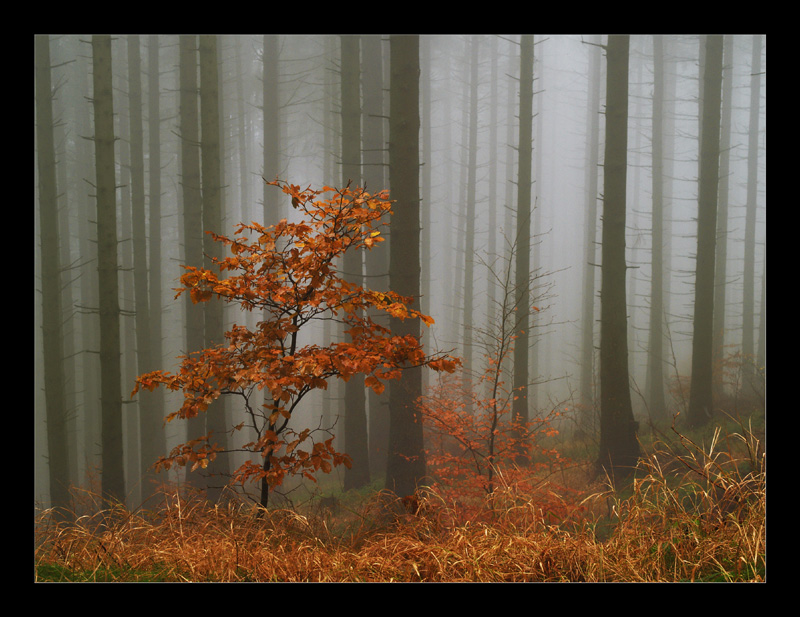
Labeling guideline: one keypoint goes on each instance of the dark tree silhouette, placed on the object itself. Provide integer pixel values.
(619, 448)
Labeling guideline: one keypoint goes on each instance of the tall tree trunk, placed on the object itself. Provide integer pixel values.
(721, 259)
(425, 182)
(140, 271)
(655, 397)
(519, 408)
(52, 336)
(113, 480)
(406, 467)
(211, 170)
(469, 238)
(377, 261)
(619, 448)
(154, 430)
(590, 231)
(748, 292)
(272, 135)
(355, 419)
(192, 207)
(701, 395)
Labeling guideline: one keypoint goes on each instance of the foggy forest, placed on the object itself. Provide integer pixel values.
(577, 239)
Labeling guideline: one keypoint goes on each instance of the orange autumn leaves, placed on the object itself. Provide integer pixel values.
(287, 273)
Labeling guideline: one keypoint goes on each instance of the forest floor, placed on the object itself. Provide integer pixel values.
(690, 513)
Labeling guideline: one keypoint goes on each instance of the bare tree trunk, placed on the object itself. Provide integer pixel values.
(355, 419)
(469, 237)
(655, 359)
(619, 448)
(155, 430)
(192, 207)
(748, 292)
(377, 261)
(52, 336)
(406, 467)
(272, 134)
(211, 170)
(519, 410)
(701, 395)
(590, 234)
(113, 481)
(721, 258)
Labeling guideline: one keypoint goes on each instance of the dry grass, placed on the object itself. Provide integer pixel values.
(690, 514)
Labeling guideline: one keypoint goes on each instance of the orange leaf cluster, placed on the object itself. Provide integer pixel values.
(288, 274)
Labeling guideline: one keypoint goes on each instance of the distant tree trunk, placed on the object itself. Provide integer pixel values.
(406, 467)
(355, 419)
(243, 135)
(619, 448)
(272, 134)
(655, 397)
(377, 261)
(113, 480)
(748, 291)
(469, 237)
(425, 182)
(211, 170)
(721, 259)
(154, 430)
(491, 244)
(147, 423)
(192, 207)
(590, 233)
(52, 335)
(701, 395)
(519, 407)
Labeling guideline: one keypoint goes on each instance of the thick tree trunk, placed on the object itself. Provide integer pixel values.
(52, 336)
(406, 467)
(113, 480)
(701, 395)
(619, 448)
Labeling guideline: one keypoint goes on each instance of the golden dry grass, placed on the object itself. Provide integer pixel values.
(689, 515)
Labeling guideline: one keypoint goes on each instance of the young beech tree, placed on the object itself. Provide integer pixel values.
(287, 273)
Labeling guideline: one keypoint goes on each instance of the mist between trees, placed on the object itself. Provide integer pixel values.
(612, 188)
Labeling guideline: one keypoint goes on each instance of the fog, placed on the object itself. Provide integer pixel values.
(309, 155)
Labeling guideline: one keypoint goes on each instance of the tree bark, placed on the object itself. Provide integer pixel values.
(113, 479)
(211, 170)
(655, 397)
(272, 134)
(619, 448)
(519, 410)
(355, 418)
(748, 292)
(469, 237)
(406, 466)
(52, 335)
(377, 261)
(155, 430)
(192, 199)
(590, 232)
(701, 395)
